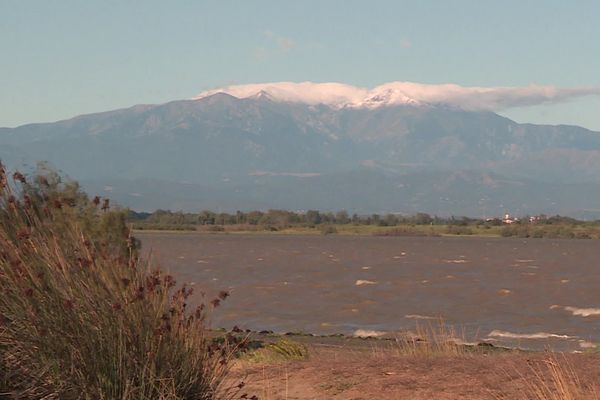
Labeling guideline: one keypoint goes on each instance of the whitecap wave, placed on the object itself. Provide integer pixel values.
(579, 312)
(587, 345)
(417, 316)
(367, 333)
(583, 312)
(361, 282)
(536, 335)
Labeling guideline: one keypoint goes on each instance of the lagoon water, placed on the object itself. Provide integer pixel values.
(530, 293)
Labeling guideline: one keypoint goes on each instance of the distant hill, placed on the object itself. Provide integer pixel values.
(224, 152)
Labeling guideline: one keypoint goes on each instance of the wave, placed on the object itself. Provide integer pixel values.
(361, 282)
(536, 335)
(580, 312)
(368, 333)
(417, 316)
(587, 345)
(583, 312)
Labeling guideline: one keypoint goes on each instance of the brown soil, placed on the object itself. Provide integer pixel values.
(369, 372)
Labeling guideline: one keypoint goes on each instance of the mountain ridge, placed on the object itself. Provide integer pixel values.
(230, 146)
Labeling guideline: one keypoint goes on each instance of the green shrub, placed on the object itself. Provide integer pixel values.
(521, 231)
(405, 231)
(289, 350)
(216, 228)
(537, 233)
(280, 351)
(145, 226)
(458, 230)
(329, 230)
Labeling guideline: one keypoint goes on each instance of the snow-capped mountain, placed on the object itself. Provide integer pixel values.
(338, 95)
(398, 147)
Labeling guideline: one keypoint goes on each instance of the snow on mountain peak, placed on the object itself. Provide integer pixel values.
(339, 95)
(331, 94)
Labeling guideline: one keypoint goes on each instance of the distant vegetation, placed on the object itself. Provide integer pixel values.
(282, 219)
(556, 227)
(82, 316)
(313, 221)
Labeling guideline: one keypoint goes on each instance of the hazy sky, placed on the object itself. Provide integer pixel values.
(64, 58)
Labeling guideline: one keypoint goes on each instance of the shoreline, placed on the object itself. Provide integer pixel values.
(296, 232)
(439, 334)
(303, 232)
(506, 231)
(340, 340)
(304, 367)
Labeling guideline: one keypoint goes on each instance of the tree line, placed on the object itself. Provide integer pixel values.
(315, 217)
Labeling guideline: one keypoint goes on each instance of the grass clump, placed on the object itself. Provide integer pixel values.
(553, 378)
(558, 382)
(82, 316)
(280, 351)
(433, 340)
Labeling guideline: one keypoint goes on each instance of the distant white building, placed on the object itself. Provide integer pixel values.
(508, 219)
(537, 218)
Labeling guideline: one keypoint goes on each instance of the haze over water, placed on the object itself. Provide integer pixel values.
(532, 293)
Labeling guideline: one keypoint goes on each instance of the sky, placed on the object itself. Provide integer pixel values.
(63, 58)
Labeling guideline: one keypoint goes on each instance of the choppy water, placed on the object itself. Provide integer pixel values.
(531, 293)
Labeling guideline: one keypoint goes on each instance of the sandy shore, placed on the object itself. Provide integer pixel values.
(343, 368)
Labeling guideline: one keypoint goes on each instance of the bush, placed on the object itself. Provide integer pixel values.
(280, 351)
(409, 231)
(328, 230)
(458, 230)
(583, 235)
(545, 231)
(82, 317)
(521, 231)
(145, 226)
(538, 233)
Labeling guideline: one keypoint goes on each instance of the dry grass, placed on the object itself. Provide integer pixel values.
(81, 317)
(433, 339)
(555, 379)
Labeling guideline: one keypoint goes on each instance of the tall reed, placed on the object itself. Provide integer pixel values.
(83, 317)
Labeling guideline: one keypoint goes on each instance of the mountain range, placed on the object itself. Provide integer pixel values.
(259, 147)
